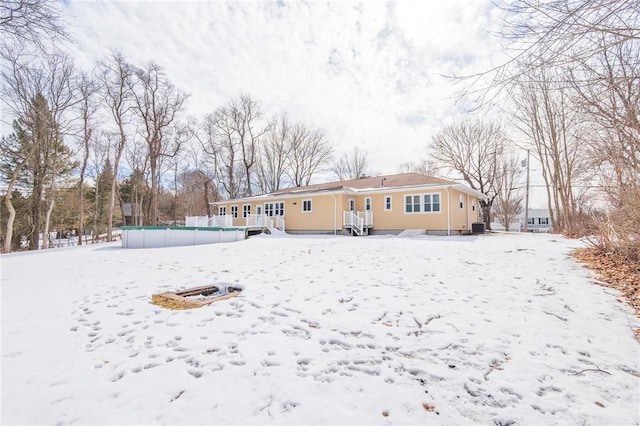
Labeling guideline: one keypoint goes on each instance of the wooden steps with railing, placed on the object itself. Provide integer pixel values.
(358, 223)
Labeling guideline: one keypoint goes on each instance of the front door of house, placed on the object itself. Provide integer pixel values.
(259, 220)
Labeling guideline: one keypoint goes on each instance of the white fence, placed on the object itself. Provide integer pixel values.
(253, 220)
(224, 221)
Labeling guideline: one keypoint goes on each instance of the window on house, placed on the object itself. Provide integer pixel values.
(279, 208)
(234, 211)
(274, 209)
(531, 221)
(435, 201)
(412, 204)
(543, 221)
(432, 202)
(367, 204)
(426, 203)
(246, 210)
(461, 201)
(473, 206)
(222, 210)
(306, 205)
(387, 203)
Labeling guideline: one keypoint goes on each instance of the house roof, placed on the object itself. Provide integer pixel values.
(377, 183)
(388, 181)
(535, 213)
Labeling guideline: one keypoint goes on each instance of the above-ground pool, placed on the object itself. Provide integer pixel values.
(172, 236)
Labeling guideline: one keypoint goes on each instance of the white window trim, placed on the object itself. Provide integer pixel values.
(222, 210)
(244, 210)
(404, 207)
(439, 202)
(390, 199)
(370, 204)
(275, 208)
(439, 194)
(310, 200)
(234, 214)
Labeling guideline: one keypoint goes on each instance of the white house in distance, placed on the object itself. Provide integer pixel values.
(538, 219)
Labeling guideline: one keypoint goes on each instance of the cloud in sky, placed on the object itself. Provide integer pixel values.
(368, 73)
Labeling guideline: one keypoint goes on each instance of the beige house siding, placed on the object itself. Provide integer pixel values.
(328, 205)
(325, 214)
(321, 217)
(459, 215)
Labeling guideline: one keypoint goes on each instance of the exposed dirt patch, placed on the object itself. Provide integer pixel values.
(615, 272)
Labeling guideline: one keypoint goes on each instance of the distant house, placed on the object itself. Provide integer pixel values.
(370, 205)
(538, 220)
(128, 213)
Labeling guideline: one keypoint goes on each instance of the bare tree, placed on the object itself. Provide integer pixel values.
(611, 104)
(39, 93)
(199, 181)
(473, 150)
(309, 152)
(136, 185)
(548, 120)
(508, 203)
(246, 116)
(87, 107)
(553, 34)
(30, 22)
(157, 102)
(17, 151)
(275, 147)
(115, 75)
(232, 137)
(425, 167)
(351, 165)
(222, 151)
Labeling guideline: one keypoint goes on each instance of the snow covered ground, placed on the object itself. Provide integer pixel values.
(492, 329)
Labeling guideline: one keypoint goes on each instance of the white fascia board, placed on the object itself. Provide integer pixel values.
(276, 197)
(431, 187)
(463, 188)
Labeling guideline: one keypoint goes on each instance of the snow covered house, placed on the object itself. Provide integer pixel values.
(369, 205)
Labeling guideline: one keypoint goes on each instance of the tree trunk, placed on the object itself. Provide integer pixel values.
(486, 215)
(112, 203)
(7, 202)
(47, 220)
(12, 215)
(34, 239)
(114, 182)
(153, 201)
(206, 196)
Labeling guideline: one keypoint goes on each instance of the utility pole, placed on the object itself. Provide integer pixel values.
(526, 200)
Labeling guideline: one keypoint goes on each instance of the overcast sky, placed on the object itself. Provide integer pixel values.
(368, 73)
